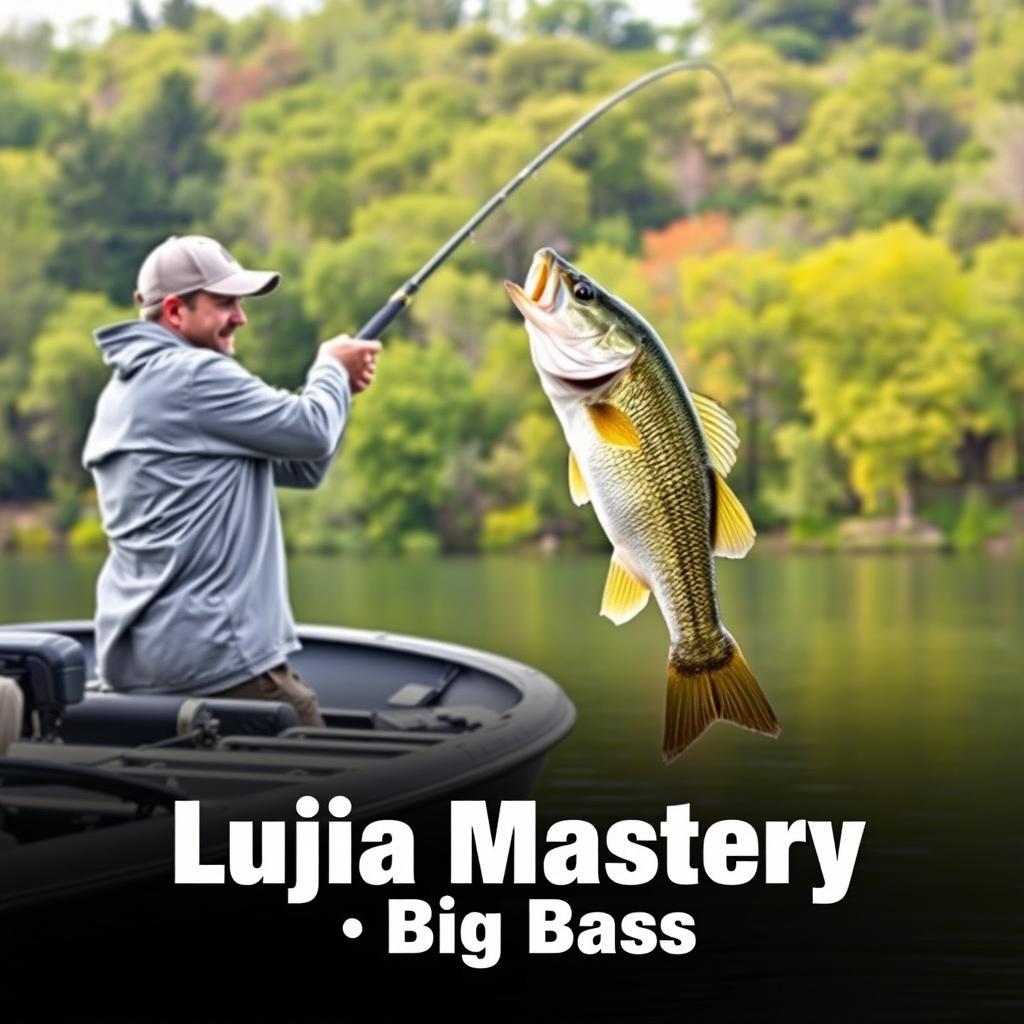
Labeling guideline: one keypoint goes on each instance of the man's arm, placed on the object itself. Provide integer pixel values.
(360, 361)
(238, 414)
(302, 473)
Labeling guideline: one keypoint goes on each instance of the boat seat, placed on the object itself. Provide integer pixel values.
(128, 719)
(49, 669)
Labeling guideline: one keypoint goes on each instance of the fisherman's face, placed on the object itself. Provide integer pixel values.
(211, 324)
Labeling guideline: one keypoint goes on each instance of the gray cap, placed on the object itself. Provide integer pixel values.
(193, 262)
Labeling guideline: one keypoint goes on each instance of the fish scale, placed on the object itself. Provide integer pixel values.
(653, 502)
(652, 460)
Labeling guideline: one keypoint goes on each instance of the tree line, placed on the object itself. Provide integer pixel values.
(840, 262)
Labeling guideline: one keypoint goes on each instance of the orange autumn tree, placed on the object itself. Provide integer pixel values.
(664, 249)
(688, 236)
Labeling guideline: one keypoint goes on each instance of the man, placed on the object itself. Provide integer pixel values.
(186, 448)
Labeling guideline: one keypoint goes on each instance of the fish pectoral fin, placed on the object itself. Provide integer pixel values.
(719, 431)
(577, 485)
(613, 426)
(732, 532)
(625, 594)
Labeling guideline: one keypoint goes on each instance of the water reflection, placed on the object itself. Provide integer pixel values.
(900, 670)
(896, 680)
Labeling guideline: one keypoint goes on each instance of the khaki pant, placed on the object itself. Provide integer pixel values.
(283, 684)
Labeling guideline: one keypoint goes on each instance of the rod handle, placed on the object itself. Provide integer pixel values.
(375, 326)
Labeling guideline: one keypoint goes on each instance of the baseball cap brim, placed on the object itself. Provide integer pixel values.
(245, 282)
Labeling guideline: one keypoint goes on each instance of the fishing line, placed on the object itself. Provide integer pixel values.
(403, 297)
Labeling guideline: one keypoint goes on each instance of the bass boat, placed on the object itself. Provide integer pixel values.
(89, 778)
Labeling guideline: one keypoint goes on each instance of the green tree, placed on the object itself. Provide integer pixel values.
(29, 293)
(542, 66)
(402, 444)
(309, 181)
(425, 14)
(738, 337)
(827, 18)
(614, 154)
(348, 43)
(504, 384)
(391, 238)
(395, 147)
(290, 170)
(971, 216)
(889, 91)
(173, 137)
(997, 319)
(279, 342)
(551, 210)
(529, 467)
(539, 438)
(998, 61)
(29, 236)
(119, 81)
(461, 307)
(605, 22)
(338, 294)
(901, 24)
(797, 31)
(901, 184)
(178, 14)
(887, 369)
(120, 191)
(811, 487)
(138, 19)
(108, 212)
(773, 100)
(21, 120)
(66, 376)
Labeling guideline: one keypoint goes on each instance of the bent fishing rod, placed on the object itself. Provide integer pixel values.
(401, 298)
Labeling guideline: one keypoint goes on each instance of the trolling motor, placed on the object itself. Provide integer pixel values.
(49, 669)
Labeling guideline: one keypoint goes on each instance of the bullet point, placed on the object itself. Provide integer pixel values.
(352, 928)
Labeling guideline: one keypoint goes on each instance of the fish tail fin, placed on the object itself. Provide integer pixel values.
(697, 697)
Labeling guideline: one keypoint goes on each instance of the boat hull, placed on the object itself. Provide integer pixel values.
(412, 724)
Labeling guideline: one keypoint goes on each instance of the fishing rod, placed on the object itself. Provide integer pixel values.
(401, 299)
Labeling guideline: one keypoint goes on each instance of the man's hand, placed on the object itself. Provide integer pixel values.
(358, 356)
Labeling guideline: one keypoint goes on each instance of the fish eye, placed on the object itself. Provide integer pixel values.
(582, 291)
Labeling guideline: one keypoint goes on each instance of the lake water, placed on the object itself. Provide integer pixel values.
(897, 681)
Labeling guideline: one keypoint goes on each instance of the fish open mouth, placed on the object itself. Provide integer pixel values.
(543, 282)
(540, 291)
(537, 279)
(537, 301)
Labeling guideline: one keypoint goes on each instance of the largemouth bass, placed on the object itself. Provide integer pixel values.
(652, 458)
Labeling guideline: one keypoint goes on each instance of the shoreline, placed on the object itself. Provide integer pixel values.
(28, 528)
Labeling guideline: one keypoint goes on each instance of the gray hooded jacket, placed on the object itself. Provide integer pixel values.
(186, 448)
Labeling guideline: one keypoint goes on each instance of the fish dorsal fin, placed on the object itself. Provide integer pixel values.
(719, 430)
(732, 532)
(625, 595)
(613, 425)
(577, 485)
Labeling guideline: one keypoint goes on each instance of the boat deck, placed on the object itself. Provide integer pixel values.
(409, 723)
